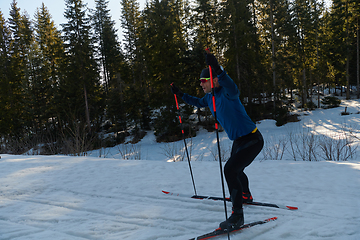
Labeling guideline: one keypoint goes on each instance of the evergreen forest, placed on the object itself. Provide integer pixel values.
(87, 85)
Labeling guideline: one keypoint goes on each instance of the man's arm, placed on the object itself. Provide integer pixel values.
(230, 88)
(198, 102)
(195, 101)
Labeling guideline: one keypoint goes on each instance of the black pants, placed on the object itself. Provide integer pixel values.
(243, 152)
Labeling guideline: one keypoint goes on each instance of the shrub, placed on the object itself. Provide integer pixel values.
(331, 102)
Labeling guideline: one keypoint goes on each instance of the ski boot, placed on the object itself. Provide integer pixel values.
(247, 198)
(235, 220)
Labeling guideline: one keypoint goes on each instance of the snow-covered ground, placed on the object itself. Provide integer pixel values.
(102, 196)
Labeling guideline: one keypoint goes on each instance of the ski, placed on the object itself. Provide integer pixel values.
(262, 204)
(219, 231)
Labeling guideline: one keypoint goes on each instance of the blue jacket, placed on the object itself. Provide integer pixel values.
(230, 112)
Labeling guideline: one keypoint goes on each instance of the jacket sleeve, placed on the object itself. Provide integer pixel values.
(231, 91)
(198, 102)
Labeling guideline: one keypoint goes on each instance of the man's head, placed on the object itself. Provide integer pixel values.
(205, 82)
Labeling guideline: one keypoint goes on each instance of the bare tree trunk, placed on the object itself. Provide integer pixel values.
(237, 58)
(304, 97)
(357, 59)
(87, 112)
(317, 58)
(347, 55)
(273, 51)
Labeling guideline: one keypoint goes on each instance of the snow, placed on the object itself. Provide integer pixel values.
(102, 196)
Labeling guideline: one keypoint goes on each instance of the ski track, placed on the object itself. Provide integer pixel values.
(118, 217)
(135, 221)
(24, 231)
(204, 212)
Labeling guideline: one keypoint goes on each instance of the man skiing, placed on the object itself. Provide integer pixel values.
(247, 140)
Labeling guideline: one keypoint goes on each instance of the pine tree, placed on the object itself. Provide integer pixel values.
(357, 16)
(318, 59)
(166, 45)
(137, 91)
(106, 39)
(130, 22)
(338, 44)
(112, 64)
(80, 90)
(205, 15)
(279, 40)
(352, 52)
(240, 42)
(18, 74)
(5, 117)
(48, 55)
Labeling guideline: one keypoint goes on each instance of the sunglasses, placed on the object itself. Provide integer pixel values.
(204, 80)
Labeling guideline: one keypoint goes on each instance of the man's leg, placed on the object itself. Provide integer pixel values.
(243, 153)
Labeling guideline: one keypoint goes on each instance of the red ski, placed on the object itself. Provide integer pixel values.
(219, 231)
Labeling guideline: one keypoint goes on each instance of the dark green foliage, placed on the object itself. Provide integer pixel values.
(109, 52)
(331, 102)
(310, 105)
(47, 60)
(80, 90)
(66, 88)
(167, 127)
(16, 118)
(5, 119)
(281, 114)
(111, 61)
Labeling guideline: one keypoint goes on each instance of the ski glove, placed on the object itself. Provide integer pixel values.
(211, 60)
(176, 90)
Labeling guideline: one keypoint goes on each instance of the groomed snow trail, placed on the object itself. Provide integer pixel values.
(62, 198)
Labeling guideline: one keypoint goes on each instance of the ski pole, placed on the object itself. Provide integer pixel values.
(218, 141)
(183, 134)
